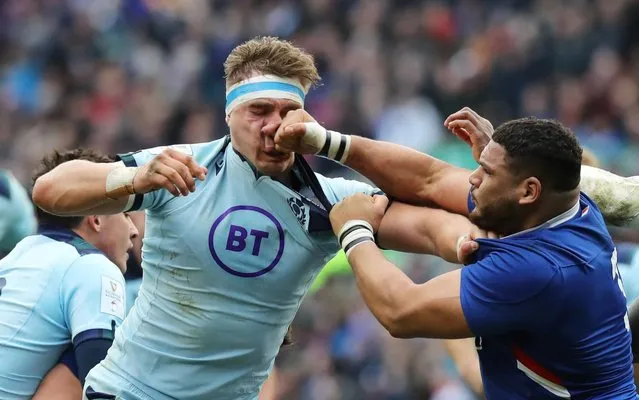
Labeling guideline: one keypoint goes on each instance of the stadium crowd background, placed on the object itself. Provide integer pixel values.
(130, 74)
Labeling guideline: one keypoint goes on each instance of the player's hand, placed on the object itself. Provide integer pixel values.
(472, 128)
(467, 245)
(359, 206)
(290, 135)
(171, 170)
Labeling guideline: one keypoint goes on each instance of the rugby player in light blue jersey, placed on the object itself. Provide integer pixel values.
(17, 217)
(235, 234)
(545, 301)
(61, 289)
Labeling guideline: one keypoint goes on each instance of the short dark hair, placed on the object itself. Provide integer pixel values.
(542, 148)
(51, 161)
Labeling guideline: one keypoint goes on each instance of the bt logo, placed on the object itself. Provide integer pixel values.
(248, 246)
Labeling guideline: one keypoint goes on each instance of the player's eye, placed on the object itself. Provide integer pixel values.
(259, 111)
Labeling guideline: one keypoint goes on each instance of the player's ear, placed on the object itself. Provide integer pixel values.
(530, 190)
(95, 222)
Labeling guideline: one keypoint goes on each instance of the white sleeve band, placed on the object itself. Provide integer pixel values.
(119, 182)
(331, 144)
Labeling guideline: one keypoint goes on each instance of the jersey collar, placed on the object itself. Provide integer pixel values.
(553, 222)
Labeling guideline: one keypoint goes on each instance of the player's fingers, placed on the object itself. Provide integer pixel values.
(161, 181)
(492, 235)
(295, 130)
(478, 234)
(195, 169)
(463, 114)
(465, 126)
(184, 172)
(462, 134)
(173, 176)
(380, 202)
(466, 250)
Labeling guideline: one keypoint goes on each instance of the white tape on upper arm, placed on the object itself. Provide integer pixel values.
(617, 197)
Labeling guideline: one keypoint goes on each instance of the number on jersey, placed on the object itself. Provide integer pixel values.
(617, 276)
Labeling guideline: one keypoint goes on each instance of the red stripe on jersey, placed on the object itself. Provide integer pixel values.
(534, 366)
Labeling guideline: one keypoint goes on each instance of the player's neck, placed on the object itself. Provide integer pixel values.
(553, 206)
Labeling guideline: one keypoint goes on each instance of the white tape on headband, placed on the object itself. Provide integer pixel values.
(264, 86)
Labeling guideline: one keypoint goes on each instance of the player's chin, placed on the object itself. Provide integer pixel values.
(477, 218)
(275, 165)
(122, 262)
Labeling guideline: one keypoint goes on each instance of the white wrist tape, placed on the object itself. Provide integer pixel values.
(327, 143)
(119, 182)
(354, 233)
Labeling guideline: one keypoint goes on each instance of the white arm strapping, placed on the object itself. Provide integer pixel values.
(617, 197)
(119, 183)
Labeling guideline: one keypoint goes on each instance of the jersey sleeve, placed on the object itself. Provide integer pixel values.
(337, 189)
(157, 198)
(203, 153)
(93, 295)
(506, 292)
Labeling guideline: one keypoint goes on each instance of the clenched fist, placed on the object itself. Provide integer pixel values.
(361, 207)
(292, 136)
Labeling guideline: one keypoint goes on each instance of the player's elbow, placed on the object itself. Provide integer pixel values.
(43, 192)
(397, 328)
(46, 195)
(400, 321)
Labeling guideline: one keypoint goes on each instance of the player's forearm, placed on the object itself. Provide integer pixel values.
(405, 309)
(423, 230)
(77, 187)
(382, 285)
(409, 175)
(464, 355)
(59, 384)
(617, 197)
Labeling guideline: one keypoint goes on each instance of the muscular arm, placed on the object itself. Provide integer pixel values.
(464, 355)
(423, 230)
(77, 187)
(405, 309)
(409, 175)
(59, 384)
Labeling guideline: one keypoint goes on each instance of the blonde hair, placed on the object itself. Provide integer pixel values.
(589, 158)
(270, 55)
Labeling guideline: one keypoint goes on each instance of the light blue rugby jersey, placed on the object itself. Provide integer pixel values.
(55, 290)
(629, 269)
(225, 270)
(17, 216)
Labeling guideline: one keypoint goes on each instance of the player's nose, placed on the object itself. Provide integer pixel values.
(133, 230)
(271, 127)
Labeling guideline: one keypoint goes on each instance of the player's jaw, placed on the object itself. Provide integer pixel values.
(498, 214)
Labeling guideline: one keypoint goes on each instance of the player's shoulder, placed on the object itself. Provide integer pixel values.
(203, 152)
(66, 248)
(338, 187)
(520, 255)
(509, 272)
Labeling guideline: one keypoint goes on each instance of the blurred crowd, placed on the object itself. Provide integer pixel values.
(120, 75)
